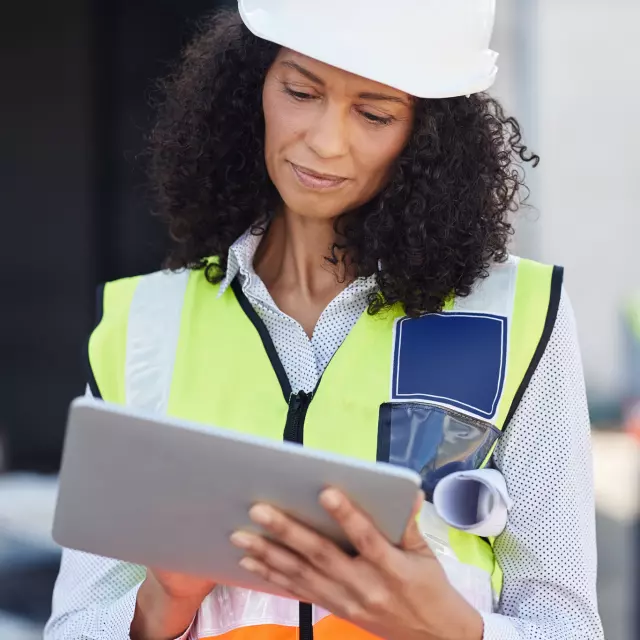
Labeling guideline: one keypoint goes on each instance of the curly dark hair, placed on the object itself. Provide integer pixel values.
(433, 231)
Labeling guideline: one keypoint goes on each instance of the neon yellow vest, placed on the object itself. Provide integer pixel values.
(633, 315)
(170, 343)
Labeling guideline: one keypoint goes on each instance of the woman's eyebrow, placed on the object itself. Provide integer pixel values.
(367, 95)
(305, 72)
(382, 96)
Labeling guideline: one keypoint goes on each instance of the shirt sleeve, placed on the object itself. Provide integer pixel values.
(95, 599)
(548, 549)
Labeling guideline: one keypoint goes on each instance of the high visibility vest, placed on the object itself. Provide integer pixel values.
(168, 343)
(632, 372)
(632, 316)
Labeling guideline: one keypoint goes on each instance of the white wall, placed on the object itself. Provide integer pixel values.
(570, 71)
(514, 39)
(588, 130)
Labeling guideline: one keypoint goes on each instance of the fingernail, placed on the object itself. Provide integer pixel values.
(249, 564)
(261, 515)
(241, 540)
(330, 499)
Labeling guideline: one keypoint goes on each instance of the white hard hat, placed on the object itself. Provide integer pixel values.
(427, 48)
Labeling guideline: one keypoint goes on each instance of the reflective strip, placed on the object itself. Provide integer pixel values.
(529, 315)
(230, 612)
(152, 338)
(494, 295)
(497, 295)
(471, 582)
(108, 342)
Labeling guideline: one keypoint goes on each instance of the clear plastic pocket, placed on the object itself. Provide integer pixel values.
(432, 441)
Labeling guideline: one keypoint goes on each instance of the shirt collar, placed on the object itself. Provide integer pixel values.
(240, 259)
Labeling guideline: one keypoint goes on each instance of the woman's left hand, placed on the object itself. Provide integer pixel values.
(396, 593)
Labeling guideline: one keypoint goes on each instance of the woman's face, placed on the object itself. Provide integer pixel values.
(331, 136)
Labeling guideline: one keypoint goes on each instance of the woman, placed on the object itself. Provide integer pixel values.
(340, 274)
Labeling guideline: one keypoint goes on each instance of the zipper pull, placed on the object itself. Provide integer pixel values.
(299, 400)
(294, 401)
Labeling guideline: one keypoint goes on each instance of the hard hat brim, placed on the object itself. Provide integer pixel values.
(431, 68)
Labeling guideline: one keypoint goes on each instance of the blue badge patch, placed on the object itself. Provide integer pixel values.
(455, 358)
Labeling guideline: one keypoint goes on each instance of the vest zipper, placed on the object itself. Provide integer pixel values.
(294, 432)
(298, 406)
(305, 617)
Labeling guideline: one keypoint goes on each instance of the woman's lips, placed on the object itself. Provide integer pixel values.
(312, 180)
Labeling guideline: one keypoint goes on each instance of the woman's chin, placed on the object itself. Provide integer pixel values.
(314, 206)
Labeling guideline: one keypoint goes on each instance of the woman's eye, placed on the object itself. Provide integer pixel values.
(299, 95)
(372, 117)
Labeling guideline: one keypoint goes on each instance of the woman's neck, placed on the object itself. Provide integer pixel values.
(291, 261)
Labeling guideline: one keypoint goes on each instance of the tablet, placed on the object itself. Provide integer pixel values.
(168, 494)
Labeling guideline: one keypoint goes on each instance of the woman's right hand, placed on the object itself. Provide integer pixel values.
(178, 586)
(167, 604)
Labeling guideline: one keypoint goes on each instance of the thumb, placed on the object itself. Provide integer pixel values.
(413, 540)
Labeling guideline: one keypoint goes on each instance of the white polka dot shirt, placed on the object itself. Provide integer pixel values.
(548, 550)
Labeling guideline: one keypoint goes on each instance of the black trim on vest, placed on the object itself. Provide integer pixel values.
(91, 379)
(552, 314)
(262, 330)
(384, 433)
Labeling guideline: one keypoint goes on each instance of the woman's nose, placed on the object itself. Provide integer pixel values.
(328, 136)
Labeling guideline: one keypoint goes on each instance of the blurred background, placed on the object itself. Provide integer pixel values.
(75, 79)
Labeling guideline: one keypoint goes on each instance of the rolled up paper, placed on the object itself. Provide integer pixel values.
(476, 502)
